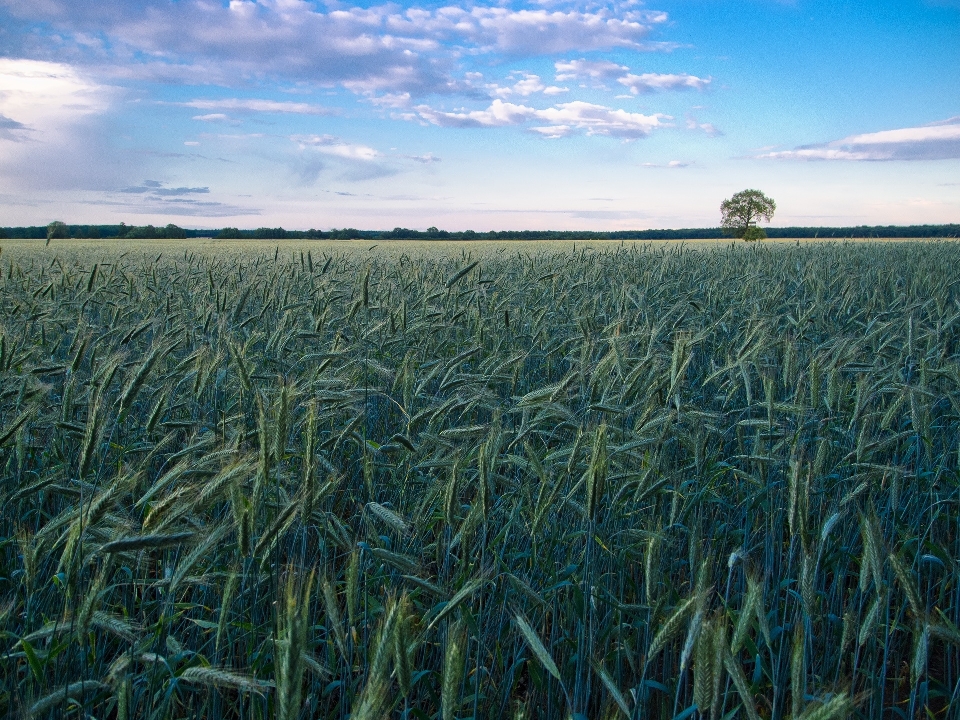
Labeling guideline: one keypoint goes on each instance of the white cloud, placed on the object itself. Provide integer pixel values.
(499, 113)
(600, 120)
(599, 71)
(653, 82)
(709, 128)
(427, 159)
(217, 118)
(524, 84)
(561, 120)
(936, 141)
(534, 32)
(596, 70)
(253, 105)
(392, 100)
(527, 85)
(332, 145)
(51, 134)
(46, 97)
(672, 165)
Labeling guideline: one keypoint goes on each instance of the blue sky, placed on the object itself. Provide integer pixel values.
(540, 114)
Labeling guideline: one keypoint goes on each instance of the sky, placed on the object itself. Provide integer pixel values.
(545, 114)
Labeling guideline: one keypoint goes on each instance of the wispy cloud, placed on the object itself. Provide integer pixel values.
(654, 82)
(155, 187)
(10, 129)
(710, 129)
(215, 118)
(596, 70)
(332, 145)
(427, 159)
(561, 120)
(254, 106)
(184, 207)
(936, 141)
(672, 165)
(153, 197)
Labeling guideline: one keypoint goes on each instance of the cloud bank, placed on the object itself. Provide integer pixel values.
(936, 141)
(378, 49)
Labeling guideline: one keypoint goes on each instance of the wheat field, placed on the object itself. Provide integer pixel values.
(480, 481)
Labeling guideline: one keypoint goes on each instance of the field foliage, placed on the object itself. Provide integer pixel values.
(644, 483)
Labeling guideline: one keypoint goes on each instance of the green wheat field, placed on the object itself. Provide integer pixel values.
(509, 480)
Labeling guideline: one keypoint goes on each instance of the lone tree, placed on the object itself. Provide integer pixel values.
(741, 213)
(57, 230)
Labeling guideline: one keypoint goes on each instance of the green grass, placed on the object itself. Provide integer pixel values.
(480, 481)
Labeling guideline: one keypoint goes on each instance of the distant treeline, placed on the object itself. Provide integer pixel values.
(123, 231)
(132, 232)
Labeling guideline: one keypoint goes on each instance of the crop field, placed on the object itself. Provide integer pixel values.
(480, 481)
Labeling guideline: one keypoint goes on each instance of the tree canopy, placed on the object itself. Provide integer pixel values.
(741, 213)
(57, 230)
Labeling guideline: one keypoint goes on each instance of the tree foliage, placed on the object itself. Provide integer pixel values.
(57, 230)
(741, 213)
(149, 232)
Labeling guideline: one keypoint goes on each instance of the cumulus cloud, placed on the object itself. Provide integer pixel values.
(599, 71)
(561, 120)
(499, 113)
(936, 141)
(536, 32)
(525, 84)
(597, 120)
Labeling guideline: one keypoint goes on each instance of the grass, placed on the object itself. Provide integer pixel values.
(480, 480)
